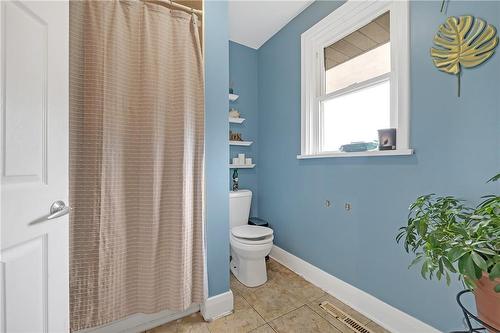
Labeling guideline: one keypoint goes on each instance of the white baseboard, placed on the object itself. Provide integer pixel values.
(382, 313)
(217, 306)
(141, 322)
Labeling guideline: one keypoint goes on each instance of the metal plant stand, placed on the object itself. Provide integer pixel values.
(468, 316)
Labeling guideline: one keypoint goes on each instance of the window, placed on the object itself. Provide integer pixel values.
(355, 78)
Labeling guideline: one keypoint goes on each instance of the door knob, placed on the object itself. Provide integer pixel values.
(58, 209)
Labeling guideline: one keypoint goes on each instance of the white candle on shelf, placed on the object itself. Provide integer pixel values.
(241, 159)
(248, 161)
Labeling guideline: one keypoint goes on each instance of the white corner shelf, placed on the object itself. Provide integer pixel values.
(236, 120)
(233, 97)
(241, 166)
(240, 143)
(397, 152)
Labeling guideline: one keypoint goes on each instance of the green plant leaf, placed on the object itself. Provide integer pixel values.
(497, 288)
(455, 253)
(441, 268)
(479, 261)
(400, 234)
(461, 263)
(415, 261)
(479, 272)
(422, 228)
(495, 272)
(486, 251)
(494, 178)
(424, 270)
(449, 265)
(466, 266)
(469, 283)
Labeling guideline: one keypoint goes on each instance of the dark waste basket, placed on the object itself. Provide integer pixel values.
(258, 221)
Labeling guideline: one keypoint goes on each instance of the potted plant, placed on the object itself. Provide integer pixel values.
(448, 237)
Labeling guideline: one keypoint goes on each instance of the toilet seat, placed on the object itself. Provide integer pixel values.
(257, 241)
(252, 234)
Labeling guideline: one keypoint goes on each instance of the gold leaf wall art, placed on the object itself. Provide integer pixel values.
(463, 42)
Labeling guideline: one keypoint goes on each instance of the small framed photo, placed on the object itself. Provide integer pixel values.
(387, 139)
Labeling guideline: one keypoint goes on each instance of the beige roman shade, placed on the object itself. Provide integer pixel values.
(367, 38)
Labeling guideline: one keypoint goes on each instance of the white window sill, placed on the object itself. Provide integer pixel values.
(398, 152)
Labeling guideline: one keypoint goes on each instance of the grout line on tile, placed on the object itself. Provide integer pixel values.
(267, 324)
(257, 313)
(272, 328)
(252, 307)
(284, 314)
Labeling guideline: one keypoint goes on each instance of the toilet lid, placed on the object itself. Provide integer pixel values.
(251, 231)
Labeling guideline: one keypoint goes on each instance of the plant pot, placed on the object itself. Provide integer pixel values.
(488, 301)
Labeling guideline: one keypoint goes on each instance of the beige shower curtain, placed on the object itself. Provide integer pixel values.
(136, 161)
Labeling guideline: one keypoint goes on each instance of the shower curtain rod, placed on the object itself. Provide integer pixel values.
(177, 6)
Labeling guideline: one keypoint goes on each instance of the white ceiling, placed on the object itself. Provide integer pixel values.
(252, 23)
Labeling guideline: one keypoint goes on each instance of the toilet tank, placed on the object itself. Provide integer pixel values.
(239, 207)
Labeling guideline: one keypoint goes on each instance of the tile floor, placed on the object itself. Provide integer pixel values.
(286, 303)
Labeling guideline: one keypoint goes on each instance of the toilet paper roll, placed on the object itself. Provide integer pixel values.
(248, 161)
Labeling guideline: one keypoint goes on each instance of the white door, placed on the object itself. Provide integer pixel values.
(34, 168)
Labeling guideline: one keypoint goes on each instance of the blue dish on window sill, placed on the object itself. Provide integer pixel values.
(358, 146)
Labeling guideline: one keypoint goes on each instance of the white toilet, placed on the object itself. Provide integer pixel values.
(250, 244)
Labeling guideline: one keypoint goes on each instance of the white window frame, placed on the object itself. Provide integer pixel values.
(348, 18)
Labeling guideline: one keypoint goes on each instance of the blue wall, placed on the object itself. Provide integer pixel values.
(243, 75)
(216, 145)
(457, 149)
